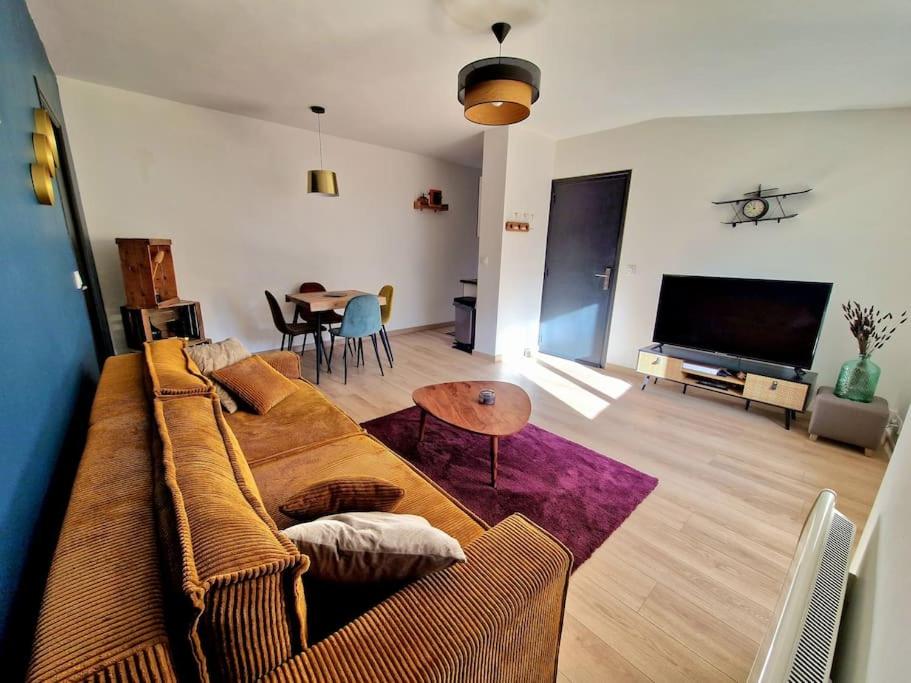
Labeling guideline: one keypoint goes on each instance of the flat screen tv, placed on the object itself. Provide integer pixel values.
(774, 321)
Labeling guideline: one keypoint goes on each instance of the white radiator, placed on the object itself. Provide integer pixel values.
(800, 642)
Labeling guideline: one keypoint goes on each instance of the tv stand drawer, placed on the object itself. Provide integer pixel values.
(656, 365)
(777, 392)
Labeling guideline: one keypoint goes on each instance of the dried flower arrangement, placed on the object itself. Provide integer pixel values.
(870, 326)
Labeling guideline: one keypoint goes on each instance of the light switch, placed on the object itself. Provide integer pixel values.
(631, 268)
(77, 281)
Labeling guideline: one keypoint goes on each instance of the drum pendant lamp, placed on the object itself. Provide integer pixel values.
(498, 91)
(321, 181)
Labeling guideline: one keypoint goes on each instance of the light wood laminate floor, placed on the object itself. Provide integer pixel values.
(684, 589)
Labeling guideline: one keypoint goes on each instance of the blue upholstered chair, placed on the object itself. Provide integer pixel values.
(361, 319)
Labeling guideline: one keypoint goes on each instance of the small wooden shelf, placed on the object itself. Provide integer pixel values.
(430, 207)
(727, 379)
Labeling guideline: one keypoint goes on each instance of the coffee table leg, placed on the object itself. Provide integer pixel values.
(423, 425)
(494, 448)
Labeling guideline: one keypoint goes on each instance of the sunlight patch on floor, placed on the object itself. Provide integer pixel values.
(614, 387)
(565, 390)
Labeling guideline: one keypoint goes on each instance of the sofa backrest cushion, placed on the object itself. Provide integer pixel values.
(236, 577)
(103, 613)
(171, 371)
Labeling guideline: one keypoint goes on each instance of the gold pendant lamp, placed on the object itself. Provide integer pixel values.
(498, 91)
(321, 181)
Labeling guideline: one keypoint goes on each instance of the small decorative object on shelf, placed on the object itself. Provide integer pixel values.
(487, 397)
(754, 207)
(872, 328)
(433, 202)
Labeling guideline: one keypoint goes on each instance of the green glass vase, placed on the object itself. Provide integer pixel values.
(858, 379)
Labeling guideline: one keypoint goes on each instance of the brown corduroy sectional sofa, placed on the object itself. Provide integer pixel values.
(170, 564)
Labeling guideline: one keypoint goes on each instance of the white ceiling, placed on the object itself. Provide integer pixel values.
(386, 69)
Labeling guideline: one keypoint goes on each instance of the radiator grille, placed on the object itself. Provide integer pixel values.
(813, 656)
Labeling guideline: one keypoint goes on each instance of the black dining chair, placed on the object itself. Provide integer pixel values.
(291, 330)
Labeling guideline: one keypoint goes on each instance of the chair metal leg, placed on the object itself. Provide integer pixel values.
(304, 345)
(388, 344)
(345, 359)
(360, 351)
(376, 350)
(384, 337)
(291, 342)
(328, 358)
(282, 347)
(331, 348)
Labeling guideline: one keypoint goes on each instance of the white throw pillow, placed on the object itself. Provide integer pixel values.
(359, 547)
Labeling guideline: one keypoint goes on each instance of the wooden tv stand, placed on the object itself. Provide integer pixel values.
(773, 385)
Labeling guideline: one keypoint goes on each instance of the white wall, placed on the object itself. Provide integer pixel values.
(872, 645)
(231, 193)
(516, 178)
(853, 229)
(529, 172)
(490, 237)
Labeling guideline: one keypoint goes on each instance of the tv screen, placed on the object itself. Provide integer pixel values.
(774, 321)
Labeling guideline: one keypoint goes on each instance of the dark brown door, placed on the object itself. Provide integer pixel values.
(580, 271)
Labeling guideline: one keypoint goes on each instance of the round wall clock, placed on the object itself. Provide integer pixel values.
(755, 208)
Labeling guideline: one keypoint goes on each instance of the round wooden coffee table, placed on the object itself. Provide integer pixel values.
(456, 403)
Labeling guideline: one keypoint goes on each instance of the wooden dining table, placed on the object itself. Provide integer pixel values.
(317, 303)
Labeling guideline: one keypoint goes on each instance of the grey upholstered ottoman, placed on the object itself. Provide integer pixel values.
(861, 424)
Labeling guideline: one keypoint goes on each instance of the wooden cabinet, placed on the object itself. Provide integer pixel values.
(656, 365)
(776, 392)
(154, 310)
(147, 267)
(774, 386)
(177, 319)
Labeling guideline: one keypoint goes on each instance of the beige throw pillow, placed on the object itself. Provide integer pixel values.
(212, 357)
(359, 547)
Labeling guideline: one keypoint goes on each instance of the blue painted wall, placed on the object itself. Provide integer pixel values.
(47, 358)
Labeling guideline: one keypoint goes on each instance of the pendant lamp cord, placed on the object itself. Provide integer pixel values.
(319, 133)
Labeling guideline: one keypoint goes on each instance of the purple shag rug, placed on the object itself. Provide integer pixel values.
(578, 495)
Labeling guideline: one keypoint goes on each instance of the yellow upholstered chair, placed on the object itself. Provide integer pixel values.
(385, 314)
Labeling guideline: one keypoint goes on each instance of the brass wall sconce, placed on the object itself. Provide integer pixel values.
(45, 126)
(43, 153)
(42, 183)
(47, 158)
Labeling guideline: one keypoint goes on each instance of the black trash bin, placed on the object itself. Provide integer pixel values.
(464, 322)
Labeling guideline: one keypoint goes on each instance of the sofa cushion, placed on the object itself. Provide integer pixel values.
(286, 362)
(256, 383)
(345, 494)
(212, 357)
(171, 371)
(237, 575)
(120, 388)
(103, 610)
(303, 420)
(364, 547)
(362, 455)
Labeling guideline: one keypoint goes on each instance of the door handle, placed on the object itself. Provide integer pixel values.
(605, 277)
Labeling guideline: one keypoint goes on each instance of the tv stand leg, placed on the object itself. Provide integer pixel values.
(787, 418)
(644, 382)
(654, 380)
(684, 388)
(747, 406)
